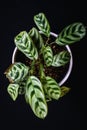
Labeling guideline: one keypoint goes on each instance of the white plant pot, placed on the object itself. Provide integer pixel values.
(66, 76)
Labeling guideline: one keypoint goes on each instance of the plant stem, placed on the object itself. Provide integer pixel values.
(50, 43)
(47, 41)
(32, 67)
(41, 72)
(41, 50)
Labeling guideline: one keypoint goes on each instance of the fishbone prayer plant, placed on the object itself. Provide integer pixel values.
(37, 86)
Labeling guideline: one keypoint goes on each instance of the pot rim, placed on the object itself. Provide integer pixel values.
(70, 64)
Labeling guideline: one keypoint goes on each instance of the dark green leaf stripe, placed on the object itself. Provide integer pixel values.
(36, 37)
(48, 55)
(34, 95)
(22, 87)
(71, 34)
(52, 88)
(61, 59)
(17, 72)
(13, 91)
(47, 97)
(25, 44)
(42, 23)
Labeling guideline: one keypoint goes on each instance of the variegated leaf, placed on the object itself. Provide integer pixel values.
(52, 88)
(17, 72)
(64, 90)
(47, 98)
(13, 91)
(36, 37)
(48, 55)
(71, 34)
(25, 44)
(61, 59)
(34, 95)
(42, 23)
(22, 87)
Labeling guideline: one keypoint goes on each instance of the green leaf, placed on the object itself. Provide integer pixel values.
(25, 44)
(61, 59)
(34, 96)
(17, 72)
(13, 91)
(64, 90)
(42, 23)
(48, 55)
(71, 34)
(52, 88)
(47, 98)
(37, 38)
(22, 87)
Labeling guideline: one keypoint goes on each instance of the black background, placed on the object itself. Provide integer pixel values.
(67, 113)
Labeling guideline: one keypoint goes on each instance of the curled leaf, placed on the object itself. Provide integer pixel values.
(48, 55)
(64, 90)
(37, 38)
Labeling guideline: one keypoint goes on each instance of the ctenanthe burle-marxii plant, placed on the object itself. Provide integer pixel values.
(38, 87)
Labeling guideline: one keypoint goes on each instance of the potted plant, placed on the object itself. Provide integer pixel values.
(39, 62)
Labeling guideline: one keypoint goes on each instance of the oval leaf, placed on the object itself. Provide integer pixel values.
(25, 44)
(34, 95)
(71, 34)
(17, 72)
(61, 59)
(48, 55)
(13, 91)
(52, 88)
(42, 23)
(36, 37)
